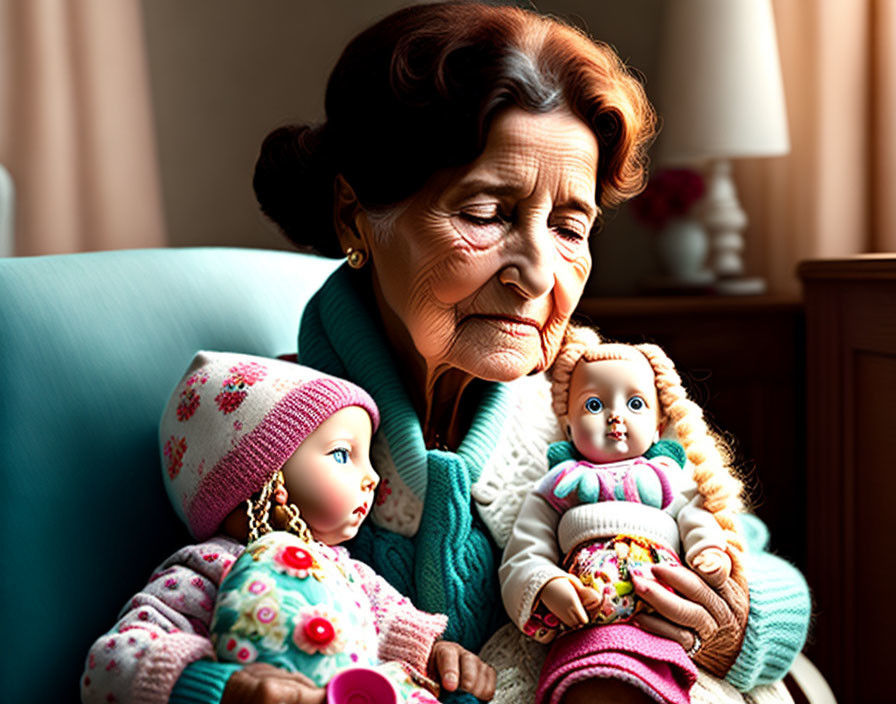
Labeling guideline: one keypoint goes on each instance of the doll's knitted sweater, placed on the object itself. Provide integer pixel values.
(166, 625)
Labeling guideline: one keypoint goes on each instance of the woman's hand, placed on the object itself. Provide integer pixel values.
(260, 683)
(708, 623)
(455, 666)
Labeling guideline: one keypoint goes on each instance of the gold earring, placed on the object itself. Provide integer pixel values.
(356, 257)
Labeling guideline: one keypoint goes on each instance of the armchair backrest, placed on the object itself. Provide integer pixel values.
(91, 345)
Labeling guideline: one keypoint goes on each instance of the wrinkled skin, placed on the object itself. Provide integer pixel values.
(484, 266)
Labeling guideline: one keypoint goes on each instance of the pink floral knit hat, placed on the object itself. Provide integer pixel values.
(233, 421)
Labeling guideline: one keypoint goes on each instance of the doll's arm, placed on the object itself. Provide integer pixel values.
(531, 558)
(162, 629)
(703, 540)
(405, 634)
(410, 636)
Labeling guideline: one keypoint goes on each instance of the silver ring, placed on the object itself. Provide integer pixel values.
(692, 651)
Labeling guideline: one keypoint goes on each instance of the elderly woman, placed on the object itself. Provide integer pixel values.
(467, 155)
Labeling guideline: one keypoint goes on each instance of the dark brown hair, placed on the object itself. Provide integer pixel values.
(415, 93)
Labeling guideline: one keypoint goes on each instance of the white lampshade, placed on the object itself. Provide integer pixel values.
(720, 91)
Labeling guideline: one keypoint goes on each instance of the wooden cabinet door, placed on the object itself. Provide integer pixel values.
(851, 478)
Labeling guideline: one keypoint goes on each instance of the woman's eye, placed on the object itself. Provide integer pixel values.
(340, 454)
(482, 219)
(636, 403)
(594, 405)
(571, 230)
(570, 234)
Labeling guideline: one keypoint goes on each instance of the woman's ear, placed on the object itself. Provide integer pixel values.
(567, 429)
(349, 219)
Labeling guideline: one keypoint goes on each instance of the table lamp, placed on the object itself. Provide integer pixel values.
(720, 98)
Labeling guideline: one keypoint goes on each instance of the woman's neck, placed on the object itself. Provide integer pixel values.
(443, 397)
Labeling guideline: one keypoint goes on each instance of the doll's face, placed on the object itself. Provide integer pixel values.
(614, 412)
(486, 263)
(329, 477)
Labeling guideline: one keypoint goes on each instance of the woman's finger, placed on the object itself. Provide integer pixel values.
(470, 666)
(681, 611)
(260, 683)
(490, 684)
(666, 629)
(692, 587)
(448, 666)
(736, 595)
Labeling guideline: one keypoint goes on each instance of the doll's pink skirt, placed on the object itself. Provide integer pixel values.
(657, 666)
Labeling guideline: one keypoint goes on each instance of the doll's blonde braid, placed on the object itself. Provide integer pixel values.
(260, 509)
(577, 343)
(706, 451)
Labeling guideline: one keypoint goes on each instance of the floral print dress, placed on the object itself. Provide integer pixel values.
(306, 607)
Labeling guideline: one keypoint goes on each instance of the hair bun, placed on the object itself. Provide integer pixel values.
(293, 183)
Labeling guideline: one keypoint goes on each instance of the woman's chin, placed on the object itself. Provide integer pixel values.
(506, 365)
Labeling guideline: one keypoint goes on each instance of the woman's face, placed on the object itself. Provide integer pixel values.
(485, 264)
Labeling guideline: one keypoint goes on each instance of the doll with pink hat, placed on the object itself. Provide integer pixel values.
(277, 455)
(641, 482)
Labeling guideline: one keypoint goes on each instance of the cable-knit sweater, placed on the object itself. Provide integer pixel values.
(442, 518)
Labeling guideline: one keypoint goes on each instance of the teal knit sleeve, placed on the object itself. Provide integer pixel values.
(780, 609)
(389, 554)
(456, 564)
(202, 682)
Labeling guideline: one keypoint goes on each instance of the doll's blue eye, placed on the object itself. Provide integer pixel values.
(594, 405)
(340, 455)
(636, 403)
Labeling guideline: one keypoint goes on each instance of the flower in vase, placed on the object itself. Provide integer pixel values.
(669, 194)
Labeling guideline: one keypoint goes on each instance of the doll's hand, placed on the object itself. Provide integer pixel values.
(260, 683)
(714, 565)
(570, 601)
(456, 667)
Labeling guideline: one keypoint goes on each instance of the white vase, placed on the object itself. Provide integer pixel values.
(682, 246)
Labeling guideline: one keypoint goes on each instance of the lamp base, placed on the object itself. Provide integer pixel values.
(740, 286)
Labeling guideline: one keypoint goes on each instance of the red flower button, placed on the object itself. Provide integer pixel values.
(297, 558)
(320, 631)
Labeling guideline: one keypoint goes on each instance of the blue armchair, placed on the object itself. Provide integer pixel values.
(91, 345)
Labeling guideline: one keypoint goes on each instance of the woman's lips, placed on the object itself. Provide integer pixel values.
(514, 325)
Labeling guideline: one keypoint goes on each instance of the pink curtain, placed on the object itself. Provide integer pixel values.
(833, 195)
(77, 131)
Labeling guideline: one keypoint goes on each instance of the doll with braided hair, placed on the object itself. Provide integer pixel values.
(277, 455)
(641, 481)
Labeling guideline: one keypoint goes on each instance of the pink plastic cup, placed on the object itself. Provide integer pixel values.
(360, 685)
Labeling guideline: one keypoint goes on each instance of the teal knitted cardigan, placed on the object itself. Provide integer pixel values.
(450, 566)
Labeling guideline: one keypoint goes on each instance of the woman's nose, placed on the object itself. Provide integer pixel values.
(530, 265)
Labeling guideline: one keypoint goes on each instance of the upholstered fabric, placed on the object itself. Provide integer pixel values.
(91, 345)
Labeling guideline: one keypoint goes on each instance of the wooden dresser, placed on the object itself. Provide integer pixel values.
(851, 487)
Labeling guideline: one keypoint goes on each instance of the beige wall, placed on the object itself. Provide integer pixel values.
(225, 72)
